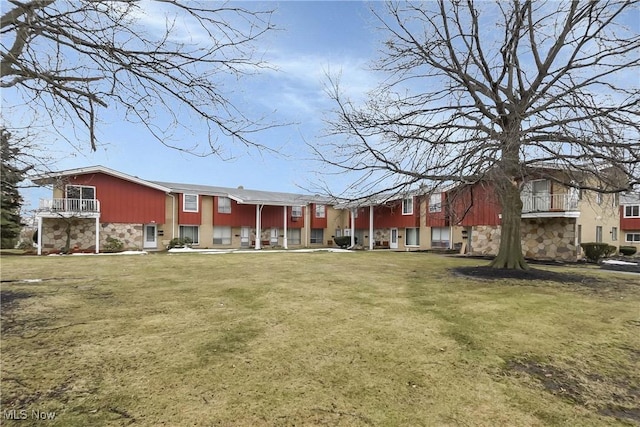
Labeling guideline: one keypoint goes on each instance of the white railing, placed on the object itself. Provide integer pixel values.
(70, 205)
(549, 202)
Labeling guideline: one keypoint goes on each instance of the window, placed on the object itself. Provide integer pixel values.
(224, 205)
(440, 237)
(407, 206)
(632, 211)
(599, 198)
(614, 233)
(190, 231)
(320, 212)
(296, 211)
(190, 202)
(632, 237)
(435, 202)
(317, 235)
(412, 236)
(221, 235)
(81, 192)
(80, 198)
(598, 234)
(293, 236)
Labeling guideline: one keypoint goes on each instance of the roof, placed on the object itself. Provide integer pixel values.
(630, 198)
(246, 196)
(241, 195)
(52, 177)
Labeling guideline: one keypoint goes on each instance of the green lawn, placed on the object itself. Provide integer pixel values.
(297, 339)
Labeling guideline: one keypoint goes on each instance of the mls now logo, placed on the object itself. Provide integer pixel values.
(23, 414)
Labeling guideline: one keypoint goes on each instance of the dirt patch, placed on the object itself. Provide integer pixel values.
(590, 390)
(9, 298)
(553, 379)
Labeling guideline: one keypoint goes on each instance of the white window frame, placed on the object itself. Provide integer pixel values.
(184, 202)
(221, 235)
(197, 227)
(632, 237)
(614, 234)
(435, 202)
(296, 211)
(321, 211)
(598, 234)
(407, 206)
(224, 207)
(632, 214)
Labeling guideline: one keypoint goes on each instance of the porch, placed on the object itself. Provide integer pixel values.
(549, 205)
(65, 208)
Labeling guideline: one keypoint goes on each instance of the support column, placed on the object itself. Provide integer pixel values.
(353, 227)
(258, 226)
(285, 239)
(371, 227)
(98, 235)
(39, 235)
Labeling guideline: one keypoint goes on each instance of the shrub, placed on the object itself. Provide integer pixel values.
(596, 251)
(344, 241)
(628, 250)
(180, 242)
(113, 245)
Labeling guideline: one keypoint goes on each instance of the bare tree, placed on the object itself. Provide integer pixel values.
(160, 62)
(487, 91)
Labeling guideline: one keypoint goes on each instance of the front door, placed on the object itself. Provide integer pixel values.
(393, 242)
(150, 239)
(274, 237)
(244, 236)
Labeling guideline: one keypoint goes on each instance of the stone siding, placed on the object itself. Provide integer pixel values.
(83, 234)
(543, 239)
(131, 235)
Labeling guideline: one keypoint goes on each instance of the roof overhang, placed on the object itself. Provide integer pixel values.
(53, 177)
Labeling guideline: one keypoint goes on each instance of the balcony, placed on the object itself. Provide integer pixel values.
(550, 205)
(69, 208)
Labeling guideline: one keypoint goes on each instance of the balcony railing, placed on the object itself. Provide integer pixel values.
(70, 205)
(549, 203)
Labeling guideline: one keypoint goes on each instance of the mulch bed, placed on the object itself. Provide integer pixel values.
(488, 273)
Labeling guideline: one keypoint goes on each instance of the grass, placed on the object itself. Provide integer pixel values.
(357, 339)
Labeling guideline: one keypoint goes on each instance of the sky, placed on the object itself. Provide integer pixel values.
(313, 39)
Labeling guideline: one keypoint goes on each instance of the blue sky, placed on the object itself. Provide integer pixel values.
(313, 38)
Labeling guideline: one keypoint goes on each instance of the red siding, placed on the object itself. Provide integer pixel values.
(441, 218)
(628, 223)
(467, 206)
(389, 216)
(124, 201)
(245, 216)
(189, 218)
(240, 216)
(318, 222)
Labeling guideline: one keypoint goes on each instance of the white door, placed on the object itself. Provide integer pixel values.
(150, 239)
(274, 237)
(244, 236)
(393, 242)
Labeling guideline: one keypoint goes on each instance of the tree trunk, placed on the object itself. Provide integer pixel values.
(510, 252)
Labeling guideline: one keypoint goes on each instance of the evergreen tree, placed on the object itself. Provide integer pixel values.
(10, 175)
